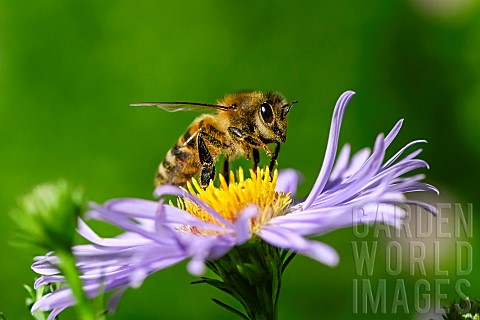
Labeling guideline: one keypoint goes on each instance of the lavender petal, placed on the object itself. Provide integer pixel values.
(287, 181)
(331, 148)
(287, 239)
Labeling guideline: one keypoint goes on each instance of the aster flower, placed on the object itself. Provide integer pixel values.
(243, 231)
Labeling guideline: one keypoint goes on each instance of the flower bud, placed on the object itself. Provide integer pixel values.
(47, 216)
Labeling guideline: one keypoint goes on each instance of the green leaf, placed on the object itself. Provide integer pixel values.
(231, 309)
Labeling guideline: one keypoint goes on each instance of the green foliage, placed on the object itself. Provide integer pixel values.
(34, 295)
(464, 309)
(252, 275)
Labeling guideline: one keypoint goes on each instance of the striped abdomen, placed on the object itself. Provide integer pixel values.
(181, 162)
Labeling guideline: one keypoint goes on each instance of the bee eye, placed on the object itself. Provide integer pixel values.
(266, 112)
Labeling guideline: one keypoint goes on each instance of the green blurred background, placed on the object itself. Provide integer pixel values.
(69, 69)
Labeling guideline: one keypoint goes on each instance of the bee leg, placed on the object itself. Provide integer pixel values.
(256, 159)
(206, 160)
(273, 159)
(226, 170)
(207, 175)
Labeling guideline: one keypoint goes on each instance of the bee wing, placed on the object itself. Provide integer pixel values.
(183, 106)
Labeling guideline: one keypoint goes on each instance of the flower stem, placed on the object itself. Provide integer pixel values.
(69, 269)
(252, 275)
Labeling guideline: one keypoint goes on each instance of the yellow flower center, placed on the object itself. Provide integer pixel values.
(230, 199)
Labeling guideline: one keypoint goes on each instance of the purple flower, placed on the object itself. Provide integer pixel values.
(207, 224)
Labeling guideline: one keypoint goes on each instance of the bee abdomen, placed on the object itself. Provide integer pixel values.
(180, 153)
(179, 165)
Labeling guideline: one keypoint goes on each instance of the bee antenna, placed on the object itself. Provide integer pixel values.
(287, 107)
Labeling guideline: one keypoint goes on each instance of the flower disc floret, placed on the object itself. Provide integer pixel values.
(230, 199)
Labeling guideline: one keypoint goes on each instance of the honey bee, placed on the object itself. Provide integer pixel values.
(241, 125)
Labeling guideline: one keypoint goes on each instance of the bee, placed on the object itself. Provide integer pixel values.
(241, 124)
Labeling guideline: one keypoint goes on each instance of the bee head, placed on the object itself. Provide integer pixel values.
(262, 114)
(273, 110)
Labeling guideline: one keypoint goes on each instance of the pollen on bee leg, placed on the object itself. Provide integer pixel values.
(267, 151)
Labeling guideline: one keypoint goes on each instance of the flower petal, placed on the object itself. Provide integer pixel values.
(399, 153)
(357, 162)
(207, 248)
(331, 148)
(320, 221)
(243, 224)
(177, 191)
(342, 162)
(355, 182)
(133, 208)
(85, 231)
(46, 264)
(393, 133)
(55, 312)
(176, 217)
(115, 299)
(288, 239)
(287, 181)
